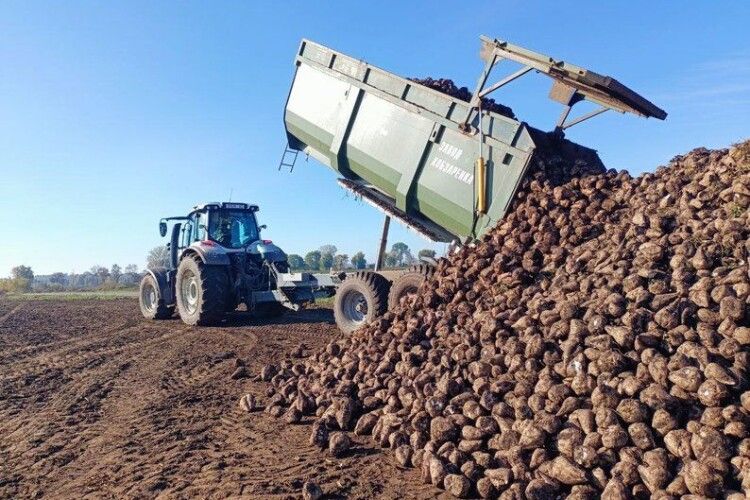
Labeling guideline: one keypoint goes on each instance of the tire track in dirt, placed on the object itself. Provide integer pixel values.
(74, 358)
(7, 315)
(99, 402)
(104, 337)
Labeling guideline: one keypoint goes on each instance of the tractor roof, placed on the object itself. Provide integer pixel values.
(225, 204)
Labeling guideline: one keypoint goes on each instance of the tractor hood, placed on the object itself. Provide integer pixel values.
(267, 250)
(213, 253)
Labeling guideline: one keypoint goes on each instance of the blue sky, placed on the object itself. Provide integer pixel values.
(113, 114)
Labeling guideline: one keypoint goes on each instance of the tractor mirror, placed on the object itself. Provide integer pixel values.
(263, 226)
(163, 228)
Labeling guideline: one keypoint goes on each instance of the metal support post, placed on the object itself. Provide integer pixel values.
(506, 80)
(563, 117)
(476, 99)
(383, 243)
(583, 118)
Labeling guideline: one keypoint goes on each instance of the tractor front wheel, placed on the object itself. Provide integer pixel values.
(360, 299)
(151, 301)
(201, 292)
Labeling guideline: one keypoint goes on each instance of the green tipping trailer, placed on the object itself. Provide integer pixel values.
(446, 168)
(412, 151)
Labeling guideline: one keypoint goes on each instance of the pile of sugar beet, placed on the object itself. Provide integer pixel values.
(448, 86)
(594, 344)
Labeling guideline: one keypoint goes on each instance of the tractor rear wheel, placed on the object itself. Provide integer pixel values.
(151, 301)
(201, 292)
(360, 299)
(408, 283)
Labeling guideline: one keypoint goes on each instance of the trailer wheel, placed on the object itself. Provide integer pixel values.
(408, 283)
(201, 292)
(150, 300)
(360, 299)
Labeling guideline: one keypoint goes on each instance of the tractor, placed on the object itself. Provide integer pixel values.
(217, 261)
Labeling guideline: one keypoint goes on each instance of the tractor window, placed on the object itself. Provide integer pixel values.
(185, 237)
(233, 228)
(200, 228)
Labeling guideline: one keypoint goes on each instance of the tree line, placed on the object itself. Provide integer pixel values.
(23, 279)
(327, 258)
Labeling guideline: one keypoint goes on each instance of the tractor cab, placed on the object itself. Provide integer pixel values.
(231, 225)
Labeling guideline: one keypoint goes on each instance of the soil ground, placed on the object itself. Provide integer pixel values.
(96, 401)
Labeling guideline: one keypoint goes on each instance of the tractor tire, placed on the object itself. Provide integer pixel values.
(201, 292)
(150, 300)
(360, 299)
(269, 311)
(408, 283)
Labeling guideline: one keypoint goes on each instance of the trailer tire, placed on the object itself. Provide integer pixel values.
(408, 283)
(151, 301)
(361, 298)
(201, 292)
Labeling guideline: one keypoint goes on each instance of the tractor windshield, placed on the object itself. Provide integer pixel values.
(233, 228)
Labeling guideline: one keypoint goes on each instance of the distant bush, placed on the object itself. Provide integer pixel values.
(15, 285)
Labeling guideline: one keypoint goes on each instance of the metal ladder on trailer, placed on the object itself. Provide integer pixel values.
(288, 158)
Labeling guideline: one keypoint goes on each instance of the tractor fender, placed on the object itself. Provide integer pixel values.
(162, 277)
(210, 255)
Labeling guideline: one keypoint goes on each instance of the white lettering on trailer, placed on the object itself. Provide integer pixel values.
(452, 170)
(450, 150)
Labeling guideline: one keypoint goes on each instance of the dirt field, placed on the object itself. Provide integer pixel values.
(96, 401)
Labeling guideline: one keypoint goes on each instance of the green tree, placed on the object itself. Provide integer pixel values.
(390, 260)
(326, 261)
(327, 252)
(312, 260)
(59, 278)
(400, 255)
(101, 272)
(88, 280)
(340, 261)
(158, 257)
(426, 252)
(22, 278)
(131, 268)
(359, 261)
(296, 262)
(328, 249)
(115, 272)
(22, 272)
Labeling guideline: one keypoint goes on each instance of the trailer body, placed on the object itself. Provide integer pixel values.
(443, 166)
